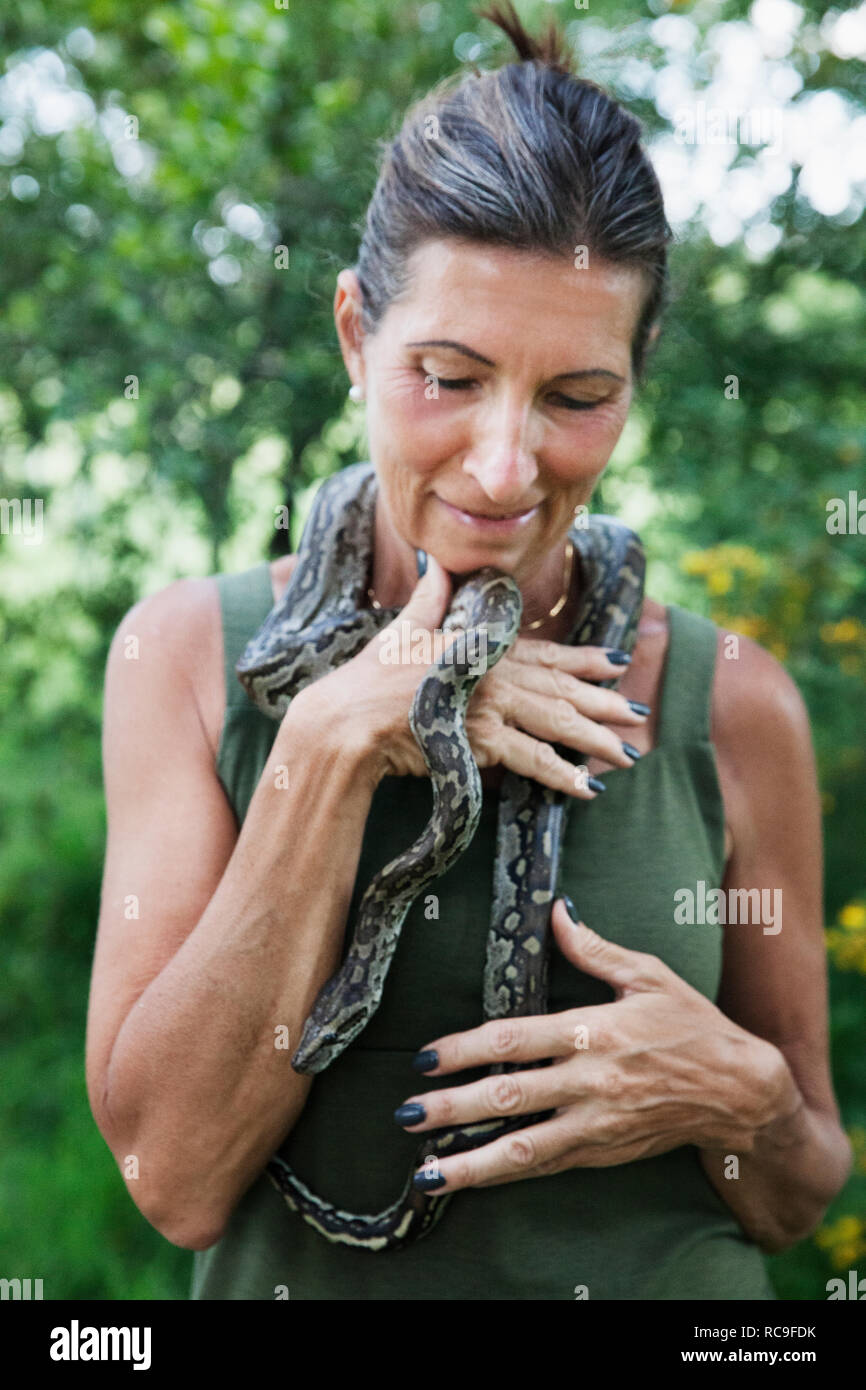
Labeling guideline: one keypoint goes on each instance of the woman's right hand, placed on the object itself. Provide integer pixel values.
(537, 695)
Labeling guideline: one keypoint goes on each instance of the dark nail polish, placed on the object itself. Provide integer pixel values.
(425, 1061)
(638, 708)
(595, 785)
(410, 1114)
(630, 751)
(421, 561)
(617, 658)
(426, 1182)
(571, 909)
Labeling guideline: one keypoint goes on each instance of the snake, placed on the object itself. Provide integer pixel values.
(323, 619)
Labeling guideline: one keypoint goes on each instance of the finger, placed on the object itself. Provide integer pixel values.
(591, 700)
(525, 1153)
(596, 1155)
(529, 757)
(496, 1097)
(588, 662)
(556, 720)
(534, 1038)
(628, 972)
(430, 598)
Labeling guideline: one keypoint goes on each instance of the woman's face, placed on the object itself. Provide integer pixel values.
(496, 392)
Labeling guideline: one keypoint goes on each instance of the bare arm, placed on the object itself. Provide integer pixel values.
(774, 981)
(234, 934)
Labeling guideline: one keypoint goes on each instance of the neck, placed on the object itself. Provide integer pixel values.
(553, 586)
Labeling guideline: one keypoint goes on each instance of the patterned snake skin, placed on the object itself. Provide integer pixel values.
(323, 620)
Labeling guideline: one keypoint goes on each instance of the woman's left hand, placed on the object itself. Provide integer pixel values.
(657, 1068)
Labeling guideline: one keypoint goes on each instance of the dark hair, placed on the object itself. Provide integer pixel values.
(528, 156)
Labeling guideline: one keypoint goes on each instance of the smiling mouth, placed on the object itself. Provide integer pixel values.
(491, 516)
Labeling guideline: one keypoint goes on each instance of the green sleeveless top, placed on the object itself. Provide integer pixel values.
(650, 1229)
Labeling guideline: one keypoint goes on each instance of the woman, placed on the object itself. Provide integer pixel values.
(510, 279)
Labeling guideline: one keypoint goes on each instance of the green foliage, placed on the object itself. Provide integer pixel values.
(166, 381)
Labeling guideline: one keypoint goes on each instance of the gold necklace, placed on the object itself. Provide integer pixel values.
(555, 610)
(561, 601)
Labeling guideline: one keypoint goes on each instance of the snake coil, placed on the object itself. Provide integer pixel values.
(322, 621)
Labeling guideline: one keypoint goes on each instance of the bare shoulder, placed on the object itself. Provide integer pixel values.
(766, 765)
(172, 617)
(173, 638)
(753, 694)
(759, 723)
(757, 709)
(180, 628)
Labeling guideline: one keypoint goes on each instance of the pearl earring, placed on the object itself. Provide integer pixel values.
(356, 393)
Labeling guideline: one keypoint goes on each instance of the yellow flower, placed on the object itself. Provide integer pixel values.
(753, 627)
(852, 916)
(848, 952)
(847, 1228)
(720, 560)
(846, 630)
(843, 1240)
(696, 562)
(843, 1256)
(720, 580)
(742, 557)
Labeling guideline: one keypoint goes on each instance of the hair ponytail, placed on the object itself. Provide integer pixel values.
(549, 49)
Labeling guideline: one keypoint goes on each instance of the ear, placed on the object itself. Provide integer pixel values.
(653, 333)
(347, 320)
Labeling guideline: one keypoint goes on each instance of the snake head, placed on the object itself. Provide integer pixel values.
(490, 603)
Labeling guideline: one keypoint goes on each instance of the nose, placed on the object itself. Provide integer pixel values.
(502, 459)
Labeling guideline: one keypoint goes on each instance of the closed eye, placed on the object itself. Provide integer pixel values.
(462, 383)
(571, 404)
(455, 383)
